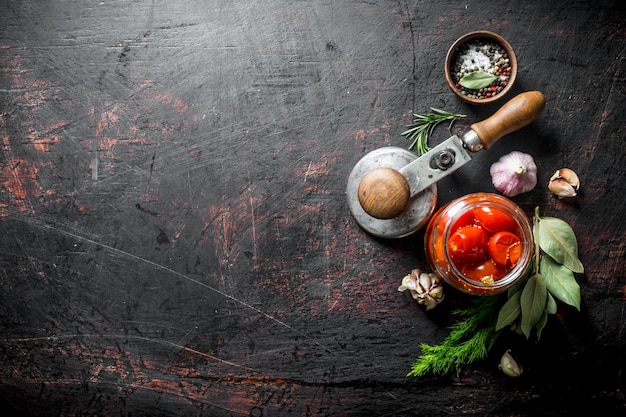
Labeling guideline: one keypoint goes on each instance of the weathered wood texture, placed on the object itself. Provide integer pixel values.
(174, 234)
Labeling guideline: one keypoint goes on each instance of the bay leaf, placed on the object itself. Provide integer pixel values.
(560, 281)
(557, 239)
(551, 307)
(509, 312)
(541, 324)
(477, 80)
(533, 302)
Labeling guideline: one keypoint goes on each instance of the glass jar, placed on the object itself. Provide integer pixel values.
(469, 245)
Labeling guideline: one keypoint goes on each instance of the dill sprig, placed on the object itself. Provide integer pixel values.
(423, 126)
(470, 339)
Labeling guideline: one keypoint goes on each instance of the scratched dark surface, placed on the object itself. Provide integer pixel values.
(174, 233)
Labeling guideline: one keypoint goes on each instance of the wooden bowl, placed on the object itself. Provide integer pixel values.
(463, 57)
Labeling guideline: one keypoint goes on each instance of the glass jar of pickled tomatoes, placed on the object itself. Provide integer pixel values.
(481, 243)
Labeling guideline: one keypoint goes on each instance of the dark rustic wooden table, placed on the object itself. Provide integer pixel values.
(174, 233)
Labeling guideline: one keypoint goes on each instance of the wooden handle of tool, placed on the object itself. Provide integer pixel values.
(518, 112)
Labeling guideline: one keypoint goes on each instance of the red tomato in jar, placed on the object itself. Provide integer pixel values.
(465, 219)
(493, 220)
(505, 248)
(468, 244)
(483, 271)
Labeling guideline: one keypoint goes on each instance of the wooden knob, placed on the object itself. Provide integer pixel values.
(384, 193)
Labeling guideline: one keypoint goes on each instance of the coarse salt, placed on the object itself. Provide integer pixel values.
(474, 60)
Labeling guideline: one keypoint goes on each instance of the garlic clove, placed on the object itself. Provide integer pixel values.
(429, 303)
(514, 173)
(562, 188)
(437, 292)
(407, 284)
(425, 281)
(509, 366)
(569, 176)
(564, 183)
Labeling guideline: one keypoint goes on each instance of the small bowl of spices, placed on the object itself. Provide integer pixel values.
(481, 67)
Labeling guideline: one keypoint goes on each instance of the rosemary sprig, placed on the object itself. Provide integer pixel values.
(470, 339)
(423, 126)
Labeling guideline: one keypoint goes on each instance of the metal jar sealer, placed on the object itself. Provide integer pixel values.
(392, 193)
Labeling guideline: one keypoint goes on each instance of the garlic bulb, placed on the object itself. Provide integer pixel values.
(564, 183)
(424, 288)
(509, 366)
(514, 173)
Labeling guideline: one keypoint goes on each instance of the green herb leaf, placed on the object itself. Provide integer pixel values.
(423, 126)
(533, 302)
(557, 239)
(551, 307)
(470, 339)
(477, 80)
(541, 324)
(560, 281)
(509, 312)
